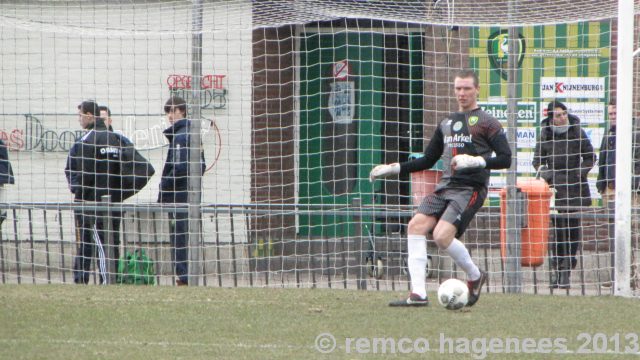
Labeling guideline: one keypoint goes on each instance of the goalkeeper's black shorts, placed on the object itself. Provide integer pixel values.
(455, 205)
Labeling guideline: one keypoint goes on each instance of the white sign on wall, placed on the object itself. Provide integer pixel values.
(526, 137)
(572, 87)
(341, 70)
(342, 101)
(595, 136)
(497, 182)
(525, 161)
(588, 112)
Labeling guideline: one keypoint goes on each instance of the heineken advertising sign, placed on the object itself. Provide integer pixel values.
(527, 111)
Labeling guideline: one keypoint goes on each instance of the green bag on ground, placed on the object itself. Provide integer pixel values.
(136, 268)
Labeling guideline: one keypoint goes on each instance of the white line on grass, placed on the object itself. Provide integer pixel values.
(153, 343)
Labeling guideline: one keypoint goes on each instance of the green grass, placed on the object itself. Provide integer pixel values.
(118, 322)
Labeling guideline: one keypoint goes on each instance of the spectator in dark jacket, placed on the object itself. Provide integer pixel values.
(94, 168)
(564, 156)
(174, 185)
(6, 177)
(607, 160)
(116, 216)
(606, 183)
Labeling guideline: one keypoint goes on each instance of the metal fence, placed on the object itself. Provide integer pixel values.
(38, 243)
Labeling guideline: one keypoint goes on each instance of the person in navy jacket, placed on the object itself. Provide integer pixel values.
(174, 184)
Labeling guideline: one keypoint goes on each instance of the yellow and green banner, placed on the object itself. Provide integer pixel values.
(567, 62)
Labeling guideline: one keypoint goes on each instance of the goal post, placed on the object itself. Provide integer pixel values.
(195, 171)
(624, 149)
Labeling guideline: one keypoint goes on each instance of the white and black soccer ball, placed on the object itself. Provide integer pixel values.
(453, 294)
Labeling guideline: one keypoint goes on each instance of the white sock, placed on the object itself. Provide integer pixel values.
(460, 255)
(417, 262)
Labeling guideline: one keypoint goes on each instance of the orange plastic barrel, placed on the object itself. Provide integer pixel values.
(535, 235)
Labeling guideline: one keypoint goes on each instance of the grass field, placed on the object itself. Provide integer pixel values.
(89, 322)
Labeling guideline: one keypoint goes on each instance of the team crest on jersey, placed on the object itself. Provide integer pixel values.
(457, 126)
(473, 120)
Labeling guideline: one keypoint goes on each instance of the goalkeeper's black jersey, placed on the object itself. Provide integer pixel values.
(475, 133)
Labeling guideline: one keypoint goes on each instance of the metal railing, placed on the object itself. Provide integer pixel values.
(38, 243)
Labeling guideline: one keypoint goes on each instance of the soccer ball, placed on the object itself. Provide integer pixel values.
(453, 294)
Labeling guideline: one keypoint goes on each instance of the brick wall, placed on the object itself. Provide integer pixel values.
(273, 126)
(445, 53)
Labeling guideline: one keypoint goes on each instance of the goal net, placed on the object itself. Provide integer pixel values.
(295, 102)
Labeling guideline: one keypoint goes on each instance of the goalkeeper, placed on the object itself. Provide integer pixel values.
(466, 140)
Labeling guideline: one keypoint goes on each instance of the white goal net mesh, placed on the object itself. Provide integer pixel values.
(298, 101)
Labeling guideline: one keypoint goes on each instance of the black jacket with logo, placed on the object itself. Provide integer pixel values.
(96, 164)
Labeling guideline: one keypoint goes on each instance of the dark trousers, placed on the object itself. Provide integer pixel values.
(568, 236)
(179, 230)
(91, 240)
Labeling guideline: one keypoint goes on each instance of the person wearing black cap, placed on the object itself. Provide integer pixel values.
(563, 157)
(174, 185)
(99, 164)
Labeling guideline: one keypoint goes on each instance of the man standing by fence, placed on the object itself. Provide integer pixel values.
(100, 163)
(606, 186)
(174, 185)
